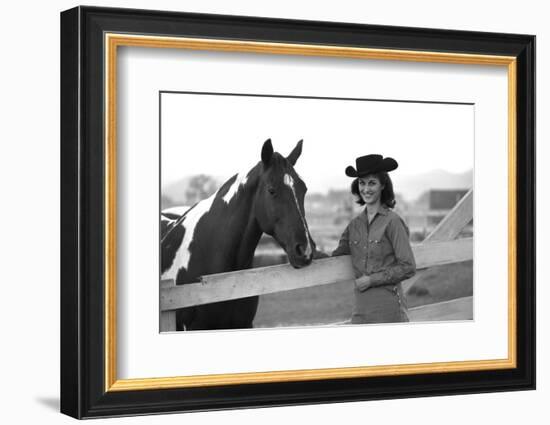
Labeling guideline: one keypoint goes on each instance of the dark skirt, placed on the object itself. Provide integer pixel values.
(383, 304)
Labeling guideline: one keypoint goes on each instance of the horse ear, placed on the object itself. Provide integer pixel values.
(295, 154)
(267, 152)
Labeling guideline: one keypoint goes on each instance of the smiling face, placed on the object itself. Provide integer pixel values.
(370, 189)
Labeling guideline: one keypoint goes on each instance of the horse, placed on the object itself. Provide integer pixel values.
(220, 234)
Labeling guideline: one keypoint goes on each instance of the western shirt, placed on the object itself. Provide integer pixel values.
(379, 249)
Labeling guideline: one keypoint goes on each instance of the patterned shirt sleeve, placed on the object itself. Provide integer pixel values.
(404, 266)
(343, 244)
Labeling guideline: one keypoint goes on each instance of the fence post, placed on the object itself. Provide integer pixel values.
(167, 320)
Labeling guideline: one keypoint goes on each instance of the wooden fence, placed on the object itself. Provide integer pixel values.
(438, 248)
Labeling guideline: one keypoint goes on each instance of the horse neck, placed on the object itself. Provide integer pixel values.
(248, 243)
(241, 225)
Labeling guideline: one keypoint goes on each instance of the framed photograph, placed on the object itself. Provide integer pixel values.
(261, 212)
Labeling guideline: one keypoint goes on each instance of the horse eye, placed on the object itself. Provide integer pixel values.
(271, 191)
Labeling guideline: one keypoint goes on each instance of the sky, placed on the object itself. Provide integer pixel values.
(223, 135)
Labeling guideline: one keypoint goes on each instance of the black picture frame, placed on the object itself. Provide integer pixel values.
(83, 168)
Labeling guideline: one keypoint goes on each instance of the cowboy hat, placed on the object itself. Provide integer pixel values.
(371, 164)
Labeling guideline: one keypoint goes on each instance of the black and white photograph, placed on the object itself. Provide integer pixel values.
(297, 211)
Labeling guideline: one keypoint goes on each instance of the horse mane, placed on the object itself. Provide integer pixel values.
(250, 177)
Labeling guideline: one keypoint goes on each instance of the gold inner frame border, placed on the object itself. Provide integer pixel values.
(111, 43)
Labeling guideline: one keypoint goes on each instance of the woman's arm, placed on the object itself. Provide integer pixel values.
(343, 244)
(404, 266)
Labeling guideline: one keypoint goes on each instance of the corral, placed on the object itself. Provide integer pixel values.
(439, 248)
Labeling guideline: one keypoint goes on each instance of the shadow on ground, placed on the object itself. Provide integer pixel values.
(49, 402)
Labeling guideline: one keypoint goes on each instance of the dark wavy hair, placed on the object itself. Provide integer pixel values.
(387, 198)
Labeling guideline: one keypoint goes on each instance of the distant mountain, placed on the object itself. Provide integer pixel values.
(412, 187)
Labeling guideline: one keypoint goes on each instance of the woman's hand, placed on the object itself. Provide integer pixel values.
(363, 283)
(319, 254)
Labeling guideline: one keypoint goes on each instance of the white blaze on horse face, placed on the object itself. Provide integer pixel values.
(289, 181)
(183, 255)
(239, 181)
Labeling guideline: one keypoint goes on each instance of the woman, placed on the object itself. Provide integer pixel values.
(378, 242)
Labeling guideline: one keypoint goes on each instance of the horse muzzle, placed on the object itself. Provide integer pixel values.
(300, 256)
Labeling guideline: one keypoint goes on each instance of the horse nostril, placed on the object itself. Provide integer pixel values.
(300, 250)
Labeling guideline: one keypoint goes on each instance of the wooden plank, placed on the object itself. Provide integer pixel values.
(448, 228)
(167, 320)
(440, 253)
(457, 309)
(266, 280)
(454, 222)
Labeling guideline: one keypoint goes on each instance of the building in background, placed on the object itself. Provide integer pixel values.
(430, 208)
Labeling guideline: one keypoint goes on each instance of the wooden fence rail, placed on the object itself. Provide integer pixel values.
(267, 280)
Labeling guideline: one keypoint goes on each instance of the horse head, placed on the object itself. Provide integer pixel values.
(279, 204)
